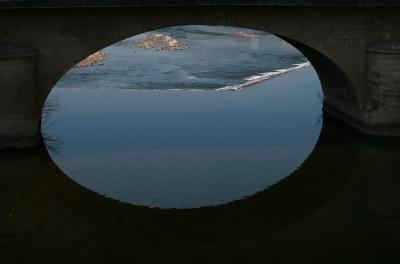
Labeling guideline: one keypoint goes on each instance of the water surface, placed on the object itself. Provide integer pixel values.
(189, 128)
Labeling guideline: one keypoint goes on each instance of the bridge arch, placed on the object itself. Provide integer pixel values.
(336, 86)
(64, 36)
(338, 92)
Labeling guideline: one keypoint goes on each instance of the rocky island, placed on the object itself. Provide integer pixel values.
(157, 41)
(154, 41)
(93, 59)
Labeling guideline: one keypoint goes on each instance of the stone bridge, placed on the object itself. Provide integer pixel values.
(353, 45)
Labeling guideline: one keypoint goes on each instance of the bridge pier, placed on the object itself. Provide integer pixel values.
(381, 99)
(374, 108)
(19, 114)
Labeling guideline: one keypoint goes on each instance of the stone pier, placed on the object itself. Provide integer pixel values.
(19, 116)
(381, 98)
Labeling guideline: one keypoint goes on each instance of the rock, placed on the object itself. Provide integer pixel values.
(157, 41)
(93, 59)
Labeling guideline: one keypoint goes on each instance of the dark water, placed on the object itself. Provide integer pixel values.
(340, 206)
(336, 198)
(127, 135)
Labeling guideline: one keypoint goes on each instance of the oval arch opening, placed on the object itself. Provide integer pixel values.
(185, 117)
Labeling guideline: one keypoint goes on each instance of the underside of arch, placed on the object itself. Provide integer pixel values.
(340, 97)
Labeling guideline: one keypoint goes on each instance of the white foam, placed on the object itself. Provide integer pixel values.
(252, 80)
(189, 90)
(173, 89)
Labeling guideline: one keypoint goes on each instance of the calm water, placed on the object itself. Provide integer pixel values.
(341, 205)
(170, 129)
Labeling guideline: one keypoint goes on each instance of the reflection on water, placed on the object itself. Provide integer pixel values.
(341, 206)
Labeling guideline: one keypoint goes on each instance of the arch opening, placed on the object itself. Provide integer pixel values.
(201, 120)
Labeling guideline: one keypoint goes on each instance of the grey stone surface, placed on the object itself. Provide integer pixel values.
(385, 46)
(11, 50)
(382, 101)
(19, 112)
